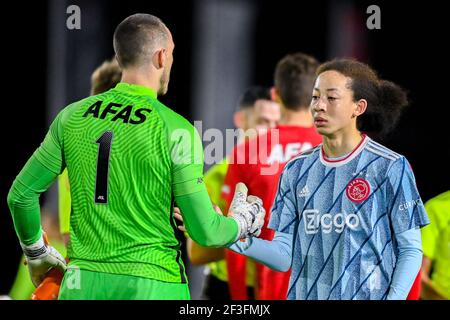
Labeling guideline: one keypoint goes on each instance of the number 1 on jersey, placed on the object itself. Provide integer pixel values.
(101, 180)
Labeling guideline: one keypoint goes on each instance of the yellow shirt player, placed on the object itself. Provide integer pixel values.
(436, 249)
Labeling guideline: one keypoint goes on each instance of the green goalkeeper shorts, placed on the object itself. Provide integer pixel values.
(90, 285)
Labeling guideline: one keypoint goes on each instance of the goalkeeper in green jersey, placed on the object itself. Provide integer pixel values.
(129, 158)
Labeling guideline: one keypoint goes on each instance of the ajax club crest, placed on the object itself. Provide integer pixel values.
(358, 190)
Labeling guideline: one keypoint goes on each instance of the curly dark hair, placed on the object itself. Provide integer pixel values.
(385, 99)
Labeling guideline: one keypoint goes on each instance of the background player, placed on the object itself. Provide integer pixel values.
(347, 213)
(122, 226)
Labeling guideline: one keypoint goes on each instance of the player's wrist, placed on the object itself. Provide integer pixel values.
(37, 250)
(242, 226)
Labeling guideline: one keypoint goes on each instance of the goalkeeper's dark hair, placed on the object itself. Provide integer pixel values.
(136, 37)
(294, 80)
(385, 99)
(251, 95)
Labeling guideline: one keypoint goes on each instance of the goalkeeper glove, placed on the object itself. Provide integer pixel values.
(41, 258)
(247, 211)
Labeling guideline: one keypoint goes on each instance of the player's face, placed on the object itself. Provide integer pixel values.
(332, 104)
(264, 115)
(165, 77)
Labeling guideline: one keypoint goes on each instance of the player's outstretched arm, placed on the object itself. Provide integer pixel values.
(210, 229)
(276, 254)
(198, 254)
(203, 224)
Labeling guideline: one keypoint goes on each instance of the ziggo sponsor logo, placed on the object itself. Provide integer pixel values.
(314, 221)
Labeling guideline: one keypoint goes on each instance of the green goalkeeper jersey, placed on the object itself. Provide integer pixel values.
(129, 158)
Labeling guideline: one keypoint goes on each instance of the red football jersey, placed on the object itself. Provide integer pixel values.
(259, 163)
(414, 293)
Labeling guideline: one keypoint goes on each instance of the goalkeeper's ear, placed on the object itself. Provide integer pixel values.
(159, 58)
(274, 95)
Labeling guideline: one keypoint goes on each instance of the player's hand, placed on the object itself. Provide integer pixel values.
(259, 221)
(217, 209)
(41, 258)
(247, 211)
(179, 217)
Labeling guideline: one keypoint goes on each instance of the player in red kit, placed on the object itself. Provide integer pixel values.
(259, 162)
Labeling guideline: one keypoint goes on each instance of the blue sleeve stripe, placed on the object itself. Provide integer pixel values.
(382, 148)
(398, 188)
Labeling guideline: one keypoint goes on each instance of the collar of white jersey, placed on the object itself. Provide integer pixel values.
(330, 162)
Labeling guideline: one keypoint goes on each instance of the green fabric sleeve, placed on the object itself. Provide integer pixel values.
(23, 199)
(184, 148)
(214, 179)
(36, 177)
(187, 159)
(204, 225)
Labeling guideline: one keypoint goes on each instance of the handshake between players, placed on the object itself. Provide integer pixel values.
(247, 211)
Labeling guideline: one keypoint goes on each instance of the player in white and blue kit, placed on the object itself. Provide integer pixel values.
(347, 213)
